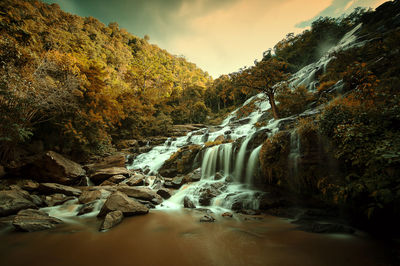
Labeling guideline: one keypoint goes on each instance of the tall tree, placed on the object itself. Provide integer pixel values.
(263, 77)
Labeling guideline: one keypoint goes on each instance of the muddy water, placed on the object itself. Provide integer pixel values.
(177, 238)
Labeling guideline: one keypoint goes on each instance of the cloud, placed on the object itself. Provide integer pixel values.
(220, 36)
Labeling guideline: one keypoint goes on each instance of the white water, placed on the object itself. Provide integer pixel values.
(222, 157)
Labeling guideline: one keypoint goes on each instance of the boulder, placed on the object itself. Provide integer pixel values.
(188, 203)
(207, 219)
(52, 167)
(227, 214)
(176, 182)
(164, 193)
(89, 196)
(136, 180)
(112, 219)
(117, 160)
(107, 183)
(30, 220)
(120, 201)
(180, 163)
(218, 176)
(86, 208)
(194, 176)
(12, 201)
(220, 138)
(51, 188)
(142, 193)
(207, 194)
(117, 179)
(28, 185)
(102, 174)
(57, 199)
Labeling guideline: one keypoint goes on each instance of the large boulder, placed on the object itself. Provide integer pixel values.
(180, 163)
(207, 194)
(51, 188)
(112, 219)
(12, 201)
(57, 199)
(164, 193)
(119, 201)
(136, 180)
(102, 174)
(116, 160)
(142, 193)
(30, 220)
(188, 203)
(89, 196)
(52, 167)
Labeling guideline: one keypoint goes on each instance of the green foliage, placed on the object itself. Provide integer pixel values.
(293, 101)
(89, 82)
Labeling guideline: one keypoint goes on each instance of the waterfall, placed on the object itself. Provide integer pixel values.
(227, 158)
(240, 159)
(294, 155)
(209, 164)
(252, 165)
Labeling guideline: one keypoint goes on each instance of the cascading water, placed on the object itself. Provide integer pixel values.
(294, 155)
(252, 165)
(222, 158)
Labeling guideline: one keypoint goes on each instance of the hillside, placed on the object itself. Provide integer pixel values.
(80, 85)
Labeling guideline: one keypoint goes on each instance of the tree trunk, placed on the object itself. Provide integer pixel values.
(271, 98)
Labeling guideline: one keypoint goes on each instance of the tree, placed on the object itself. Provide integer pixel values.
(263, 77)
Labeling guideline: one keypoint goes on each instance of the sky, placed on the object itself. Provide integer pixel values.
(219, 36)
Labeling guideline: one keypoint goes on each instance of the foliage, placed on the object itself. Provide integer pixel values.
(87, 82)
(293, 101)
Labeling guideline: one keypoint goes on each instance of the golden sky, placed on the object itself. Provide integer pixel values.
(220, 36)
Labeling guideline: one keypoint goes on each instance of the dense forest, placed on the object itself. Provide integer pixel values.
(81, 85)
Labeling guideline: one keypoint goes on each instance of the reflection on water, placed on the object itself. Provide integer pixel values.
(177, 238)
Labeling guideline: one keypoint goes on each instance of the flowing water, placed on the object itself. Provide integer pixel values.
(177, 238)
(173, 236)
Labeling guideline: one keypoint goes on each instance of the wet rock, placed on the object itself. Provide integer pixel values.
(136, 180)
(89, 196)
(146, 203)
(142, 193)
(180, 163)
(116, 179)
(86, 208)
(164, 193)
(229, 179)
(207, 219)
(107, 183)
(30, 220)
(116, 160)
(112, 219)
(120, 201)
(51, 188)
(102, 174)
(218, 186)
(227, 214)
(158, 182)
(12, 201)
(207, 194)
(51, 167)
(188, 203)
(194, 176)
(220, 138)
(29, 185)
(57, 199)
(218, 176)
